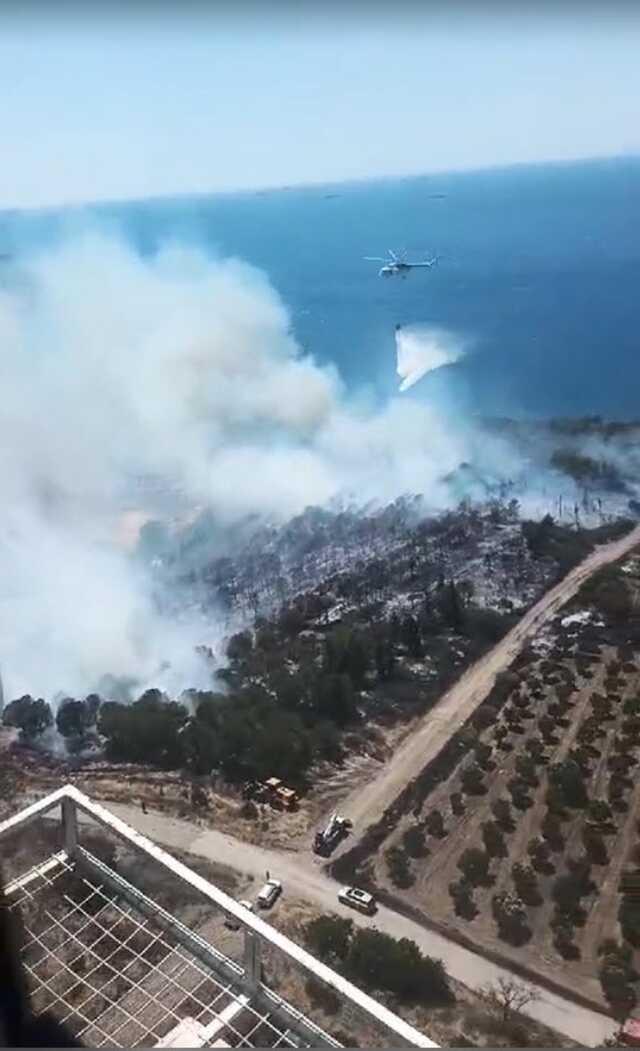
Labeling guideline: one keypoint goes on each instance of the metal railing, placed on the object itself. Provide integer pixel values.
(255, 931)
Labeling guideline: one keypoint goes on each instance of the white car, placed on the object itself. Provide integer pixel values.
(269, 893)
(358, 899)
(231, 922)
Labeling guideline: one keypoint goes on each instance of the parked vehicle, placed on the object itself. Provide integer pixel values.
(358, 899)
(272, 791)
(335, 830)
(231, 922)
(269, 893)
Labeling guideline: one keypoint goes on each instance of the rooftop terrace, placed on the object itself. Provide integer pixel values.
(105, 957)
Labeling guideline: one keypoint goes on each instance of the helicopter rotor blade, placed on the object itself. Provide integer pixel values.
(375, 259)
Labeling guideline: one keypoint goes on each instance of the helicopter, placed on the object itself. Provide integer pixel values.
(396, 265)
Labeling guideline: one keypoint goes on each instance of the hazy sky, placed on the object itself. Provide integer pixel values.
(166, 103)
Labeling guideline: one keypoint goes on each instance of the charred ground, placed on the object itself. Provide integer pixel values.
(393, 606)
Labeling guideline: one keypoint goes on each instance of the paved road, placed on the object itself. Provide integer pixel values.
(307, 880)
(368, 802)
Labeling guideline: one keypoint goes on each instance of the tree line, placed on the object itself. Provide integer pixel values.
(376, 961)
(286, 700)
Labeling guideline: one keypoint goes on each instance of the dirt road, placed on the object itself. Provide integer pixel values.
(366, 804)
(303, 874)
(303, 877)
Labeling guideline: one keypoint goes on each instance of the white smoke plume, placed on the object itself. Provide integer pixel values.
(421, 349)
(113, 367)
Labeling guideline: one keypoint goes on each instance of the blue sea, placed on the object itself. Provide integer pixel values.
(538, 270)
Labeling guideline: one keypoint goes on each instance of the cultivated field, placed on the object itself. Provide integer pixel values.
(519, 833)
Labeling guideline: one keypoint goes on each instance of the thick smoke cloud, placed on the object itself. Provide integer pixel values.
(115, 367)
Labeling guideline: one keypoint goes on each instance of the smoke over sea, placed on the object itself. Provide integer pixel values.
(133, 356)
(116, 367)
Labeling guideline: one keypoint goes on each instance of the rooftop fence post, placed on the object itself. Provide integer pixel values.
(69, 826)
(251, 960)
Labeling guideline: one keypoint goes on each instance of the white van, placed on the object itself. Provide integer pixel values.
(358, 899)
(269, 893)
